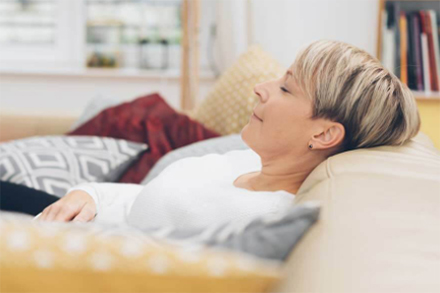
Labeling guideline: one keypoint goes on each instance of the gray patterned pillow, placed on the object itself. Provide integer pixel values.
(56, 163)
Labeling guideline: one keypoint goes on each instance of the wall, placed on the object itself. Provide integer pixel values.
(430, 117)
(282, 29)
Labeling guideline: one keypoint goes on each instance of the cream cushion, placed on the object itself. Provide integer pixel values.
(228, 106)
(379, 228)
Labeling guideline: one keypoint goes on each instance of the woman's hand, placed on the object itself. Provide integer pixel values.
(76, 205)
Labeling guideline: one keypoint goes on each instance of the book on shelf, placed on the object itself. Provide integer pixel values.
(410, 46)
(403, 48)
(436, 48)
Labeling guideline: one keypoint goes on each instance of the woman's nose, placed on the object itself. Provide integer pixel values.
(260, 92)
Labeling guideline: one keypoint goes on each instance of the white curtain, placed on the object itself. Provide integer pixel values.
(233, 31)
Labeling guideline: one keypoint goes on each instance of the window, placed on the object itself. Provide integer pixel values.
(38, 33)
(72, 35)
(27, 22)
(133, 33)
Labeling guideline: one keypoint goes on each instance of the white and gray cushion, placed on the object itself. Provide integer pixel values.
(218, 145)
(56, 163)
(94, 107)
(271, 236)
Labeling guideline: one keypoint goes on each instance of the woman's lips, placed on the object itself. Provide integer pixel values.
(256, 117)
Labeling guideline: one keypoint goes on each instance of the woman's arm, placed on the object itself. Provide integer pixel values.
(113, 200)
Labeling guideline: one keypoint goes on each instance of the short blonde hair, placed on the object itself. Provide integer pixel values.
(349, 86)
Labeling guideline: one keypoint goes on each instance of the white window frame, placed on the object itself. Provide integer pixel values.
(66, 53)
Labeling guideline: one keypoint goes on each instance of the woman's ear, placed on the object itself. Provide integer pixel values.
(332, 136)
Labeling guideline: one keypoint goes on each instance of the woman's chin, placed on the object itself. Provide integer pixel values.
(244, 134)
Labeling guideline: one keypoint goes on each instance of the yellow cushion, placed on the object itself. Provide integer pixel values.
(86, 257)
(227, 108)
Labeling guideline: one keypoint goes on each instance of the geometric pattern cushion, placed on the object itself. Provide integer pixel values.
(56, 163)
(227, 108)
(85, 257)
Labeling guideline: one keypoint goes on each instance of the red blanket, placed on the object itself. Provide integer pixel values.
(150, 120)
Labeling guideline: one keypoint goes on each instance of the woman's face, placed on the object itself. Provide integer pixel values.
(285, 125)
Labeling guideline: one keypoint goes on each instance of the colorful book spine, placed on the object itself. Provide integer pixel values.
(431, 53)
(396, 17)
(417, 51)
(412, 62)
(425, 53)
(434, 27)
(403, 48)
(388, 45)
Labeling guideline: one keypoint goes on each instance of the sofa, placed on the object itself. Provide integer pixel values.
(379, 226)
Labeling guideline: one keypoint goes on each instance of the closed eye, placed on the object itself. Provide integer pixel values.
(284, 89)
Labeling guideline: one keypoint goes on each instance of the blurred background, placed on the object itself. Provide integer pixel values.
(56, 55)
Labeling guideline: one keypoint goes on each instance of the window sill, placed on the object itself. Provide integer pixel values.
(105, 73)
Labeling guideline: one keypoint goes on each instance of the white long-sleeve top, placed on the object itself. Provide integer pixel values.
(191, 192)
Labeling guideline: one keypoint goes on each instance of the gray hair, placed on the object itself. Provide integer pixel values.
(349, 86)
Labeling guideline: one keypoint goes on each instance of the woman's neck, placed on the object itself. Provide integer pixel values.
(285, 175)
(261, 181)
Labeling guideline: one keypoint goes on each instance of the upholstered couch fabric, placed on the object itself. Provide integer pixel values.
(379, 224)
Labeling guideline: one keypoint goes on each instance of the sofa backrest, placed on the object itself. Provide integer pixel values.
(379, 227)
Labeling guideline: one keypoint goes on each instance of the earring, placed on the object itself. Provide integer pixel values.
(310, 146)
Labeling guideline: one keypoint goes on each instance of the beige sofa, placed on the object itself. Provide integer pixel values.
(379, 229)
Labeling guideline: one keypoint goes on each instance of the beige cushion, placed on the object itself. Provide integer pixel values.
(228, 106)
(379, 226)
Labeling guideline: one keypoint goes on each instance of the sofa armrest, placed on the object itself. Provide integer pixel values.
(13, 126)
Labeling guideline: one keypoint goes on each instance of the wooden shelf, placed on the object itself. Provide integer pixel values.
(435, 96)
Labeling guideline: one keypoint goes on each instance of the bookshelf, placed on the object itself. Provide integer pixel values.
(408, 5)
(428, 103)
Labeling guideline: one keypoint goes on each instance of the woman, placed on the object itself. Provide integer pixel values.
(334, 98)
